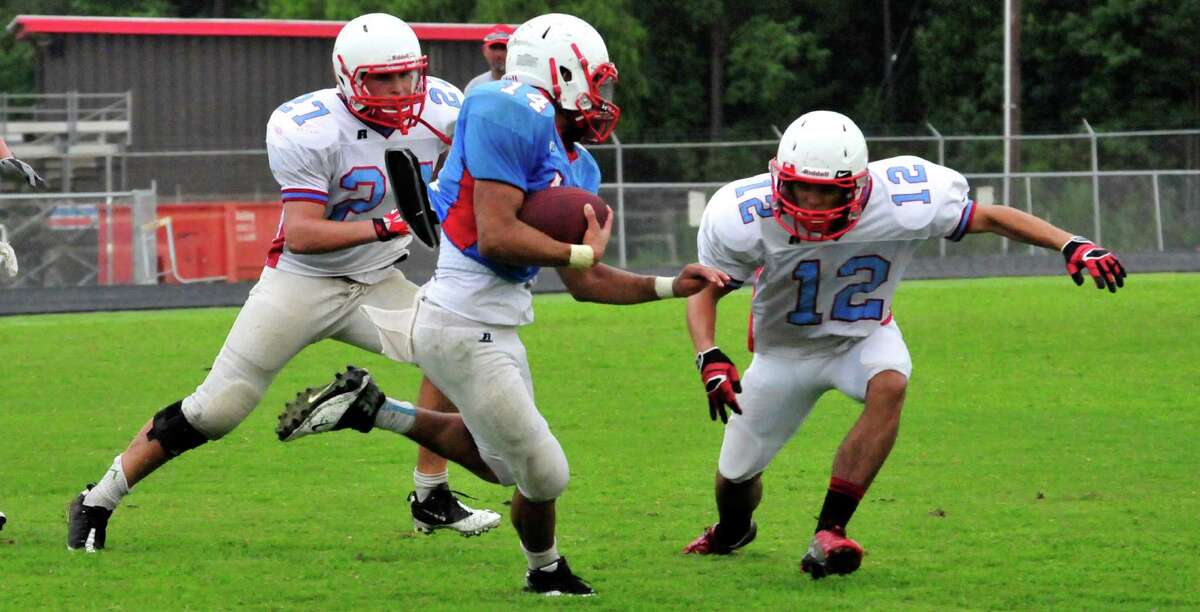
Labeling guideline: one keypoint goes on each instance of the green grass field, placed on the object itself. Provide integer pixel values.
(1048, 458)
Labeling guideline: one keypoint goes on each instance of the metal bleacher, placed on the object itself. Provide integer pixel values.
(74, 136)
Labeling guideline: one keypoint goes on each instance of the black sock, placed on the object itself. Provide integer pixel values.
(841, 500)
(730, 534)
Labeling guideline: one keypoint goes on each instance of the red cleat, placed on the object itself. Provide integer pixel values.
(707, 543)
(831, 552)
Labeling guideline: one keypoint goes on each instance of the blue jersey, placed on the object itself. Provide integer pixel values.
(505, 133)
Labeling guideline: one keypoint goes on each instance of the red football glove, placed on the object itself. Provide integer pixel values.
(721, 382)
(1102, 264)
(390, 226)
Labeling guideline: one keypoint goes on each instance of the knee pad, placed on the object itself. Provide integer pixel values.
(545, 473)
(173, 431)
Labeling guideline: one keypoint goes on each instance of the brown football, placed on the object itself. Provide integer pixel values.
(558, 212)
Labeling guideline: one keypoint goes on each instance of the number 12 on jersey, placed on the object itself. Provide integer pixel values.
(915, 176)
(808, 272)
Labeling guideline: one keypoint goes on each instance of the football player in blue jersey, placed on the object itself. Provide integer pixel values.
(513, 137)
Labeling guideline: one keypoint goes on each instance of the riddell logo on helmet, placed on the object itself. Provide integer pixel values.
(817, 172)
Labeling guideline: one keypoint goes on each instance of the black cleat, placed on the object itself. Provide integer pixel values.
(708, 543)
(350, 401)
(442, 510)
(86, 525)
(556, 581)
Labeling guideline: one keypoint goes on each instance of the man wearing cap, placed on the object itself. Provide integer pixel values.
(495, 52)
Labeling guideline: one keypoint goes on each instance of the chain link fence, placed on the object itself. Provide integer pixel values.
(80, 239)
(1135, 192)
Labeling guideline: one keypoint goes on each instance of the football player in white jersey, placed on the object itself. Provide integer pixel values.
(824, 238)
(22, 171)
(338, 240)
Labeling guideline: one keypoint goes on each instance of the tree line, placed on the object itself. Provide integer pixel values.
(722, 69)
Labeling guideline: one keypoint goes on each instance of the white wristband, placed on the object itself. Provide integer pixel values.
(664, 287)
(582, 256)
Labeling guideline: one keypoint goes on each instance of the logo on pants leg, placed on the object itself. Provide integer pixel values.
(487, 337)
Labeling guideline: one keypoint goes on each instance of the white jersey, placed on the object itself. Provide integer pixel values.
(321, 153)
(811, 296)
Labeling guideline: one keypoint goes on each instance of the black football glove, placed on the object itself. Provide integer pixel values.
(721, 382)
(1102, 264)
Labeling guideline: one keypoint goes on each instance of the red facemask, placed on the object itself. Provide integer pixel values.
(818, 225)
(597, 115)
(400, 112)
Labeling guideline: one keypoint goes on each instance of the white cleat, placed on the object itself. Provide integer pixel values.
(442, 510)
(350, 401)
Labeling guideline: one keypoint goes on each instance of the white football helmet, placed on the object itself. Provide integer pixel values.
(378, 43)
(566, 57)
(822, 148)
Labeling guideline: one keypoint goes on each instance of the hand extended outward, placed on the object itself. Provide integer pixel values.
(1102, 264)
(721, 382)
(694, 277)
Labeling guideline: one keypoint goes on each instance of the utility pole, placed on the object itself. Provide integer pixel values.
(1012, 91)
(1014, 65)
(718, 44)
(889, 60)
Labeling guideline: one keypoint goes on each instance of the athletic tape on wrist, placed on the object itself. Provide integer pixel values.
(582, 256)
(664, 287)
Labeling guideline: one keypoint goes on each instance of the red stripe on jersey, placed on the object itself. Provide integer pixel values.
(460, 219)
(887, 319)
(753, 290)
(304, 199)
(276, 245)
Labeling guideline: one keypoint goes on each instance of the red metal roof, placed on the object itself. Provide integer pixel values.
(24, 25)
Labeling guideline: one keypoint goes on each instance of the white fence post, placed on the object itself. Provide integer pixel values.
(621, 252)
(145, 236)
(941, 145)
(1029, 206)
(1095, 184)
(1157, 212)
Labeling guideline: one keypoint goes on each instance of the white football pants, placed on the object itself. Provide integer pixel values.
(484, 370)
(284, 313)
(779, 392)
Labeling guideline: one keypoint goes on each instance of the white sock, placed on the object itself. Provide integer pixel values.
(395, 415)
(426, 483)
(543, 560)
(111, 488)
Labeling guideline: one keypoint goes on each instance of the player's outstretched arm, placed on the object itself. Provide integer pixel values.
(1104, 267)
(504, 237)
(609, 285)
